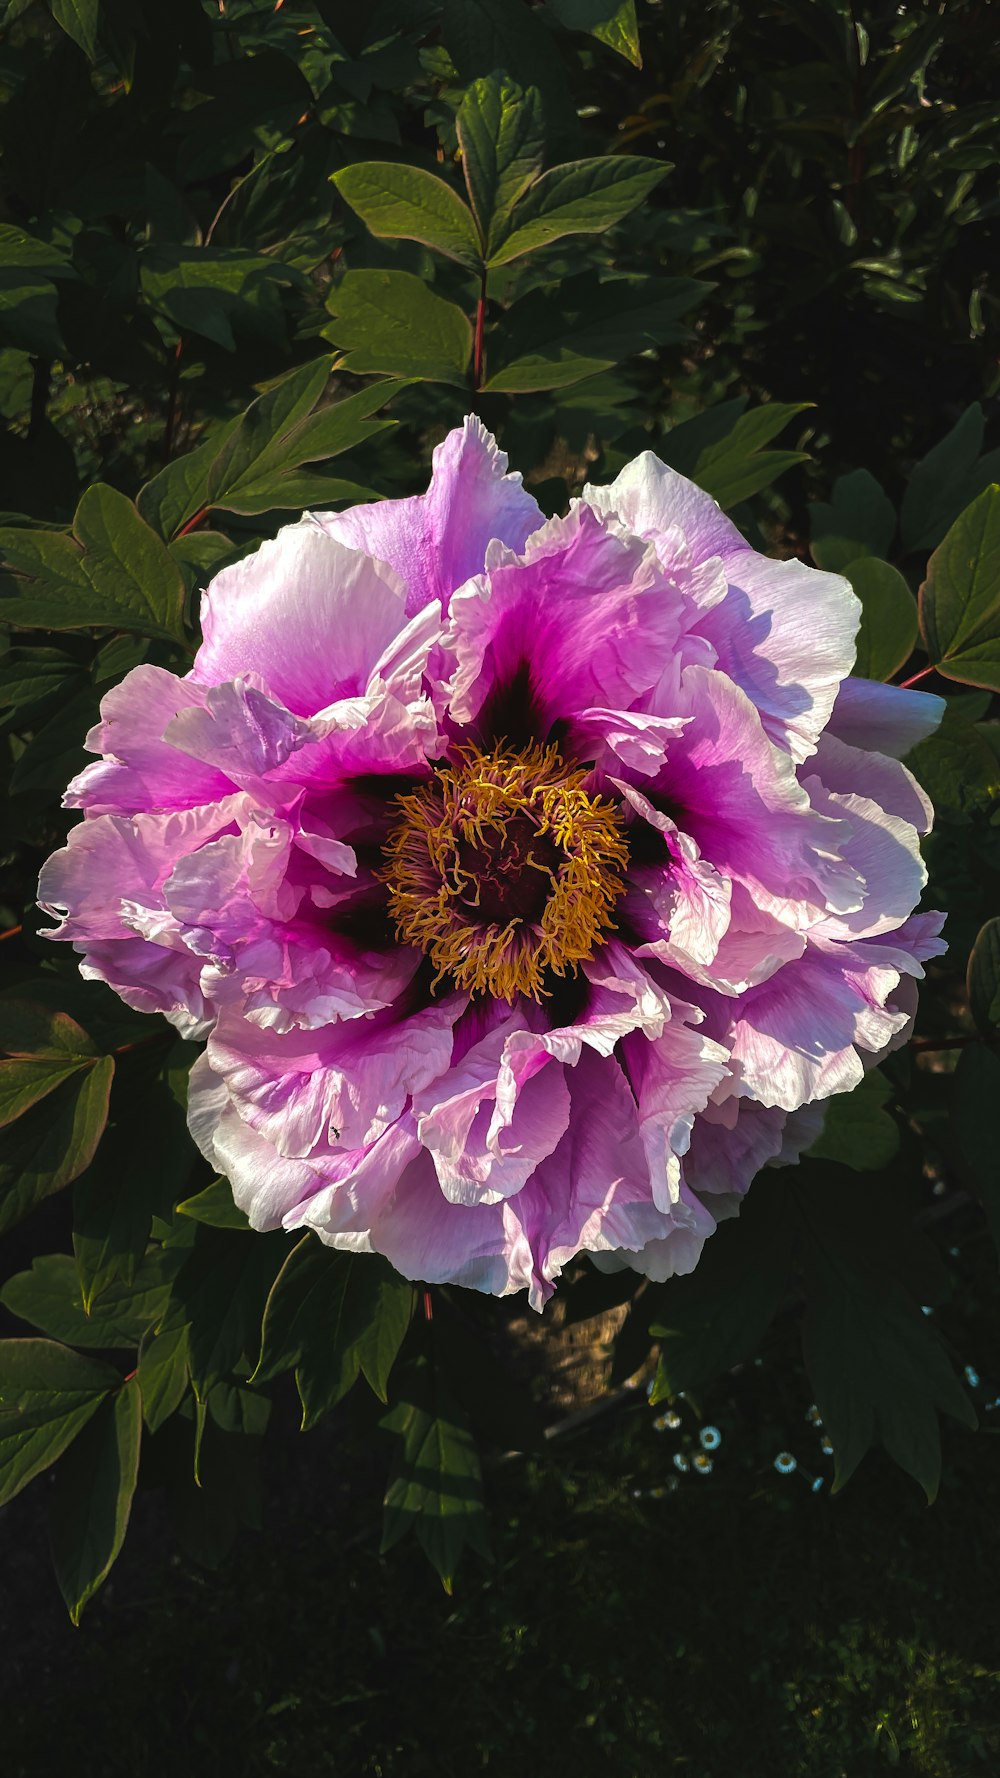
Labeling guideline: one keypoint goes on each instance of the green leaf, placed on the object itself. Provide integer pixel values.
(577, 198)
(551, 349)
(876, 1366)
(56, 752)
(146, 1157)
(331, 1316)
(859, 520)
(435, 1488)
(219, 1295)
(686, 443)
(23, 1084)
(209, 291)
(215, 1206)
(127, 564)
(79, 19)
(47, 1395)
(391, 322)
(50, 1145)
(35, 681)
(28, 1028)
(92, 1497)
(163, 1375)
(207, 1515)
(251, 465)
(28, 296)
(611, 21)
(960, 599)
(736, 465)
(399, 202)
(501, 136)
(857, 1131)
(717, 1315)
(235, 1408)
(944, 482)
(984, 977)
(122, 578)
(49, 1298)
(888, 632)
(958, 769)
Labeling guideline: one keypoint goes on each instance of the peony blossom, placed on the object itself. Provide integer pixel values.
(533, 883)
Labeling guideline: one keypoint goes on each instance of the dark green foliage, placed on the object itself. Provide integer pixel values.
(256, 259)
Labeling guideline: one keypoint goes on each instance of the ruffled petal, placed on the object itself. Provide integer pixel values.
(437, 540)
(582, 618)
(307, 614)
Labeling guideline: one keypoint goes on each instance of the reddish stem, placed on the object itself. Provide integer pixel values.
(428, 1306)
(913, 680)
(477, 355)
(193, 523)
(143, 1043)
(11, 932)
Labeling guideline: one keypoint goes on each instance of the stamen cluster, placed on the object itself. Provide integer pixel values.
(503, 869)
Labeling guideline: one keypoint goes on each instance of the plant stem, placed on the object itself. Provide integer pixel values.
(477, 354)
(923, 674)
(192, 523)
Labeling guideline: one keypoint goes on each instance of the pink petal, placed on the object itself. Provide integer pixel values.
(308, 615)
(437, 540)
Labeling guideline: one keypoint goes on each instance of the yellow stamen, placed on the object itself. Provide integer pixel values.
(459, 867)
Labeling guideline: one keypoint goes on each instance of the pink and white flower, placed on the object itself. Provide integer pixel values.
(533, 882)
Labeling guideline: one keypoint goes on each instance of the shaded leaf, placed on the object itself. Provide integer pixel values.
(958, 769)
(47, 1395)
(717, 1315)
(858, 520)
(857, 1130)
(163, 1374)
(876, 1366)
(984, 977)
(611, 21)
(245, 468)
(219, 1295)
(53, 1142)
(960, 599)
(435, 1487)
(48, 1296)
(113, 573)
(145, 1158)
(79, 19)
(331, 1316)
(92, 1497)
(607, 322)
(888, 631)
(215, 1206)
(28, 1028)
(24, 1083)
(944, 482)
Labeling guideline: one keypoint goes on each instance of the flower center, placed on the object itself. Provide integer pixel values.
(502, 868)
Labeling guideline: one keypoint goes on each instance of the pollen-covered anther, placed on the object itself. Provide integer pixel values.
(502, 868)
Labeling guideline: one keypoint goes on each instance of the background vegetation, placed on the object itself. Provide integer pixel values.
(255, 257)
